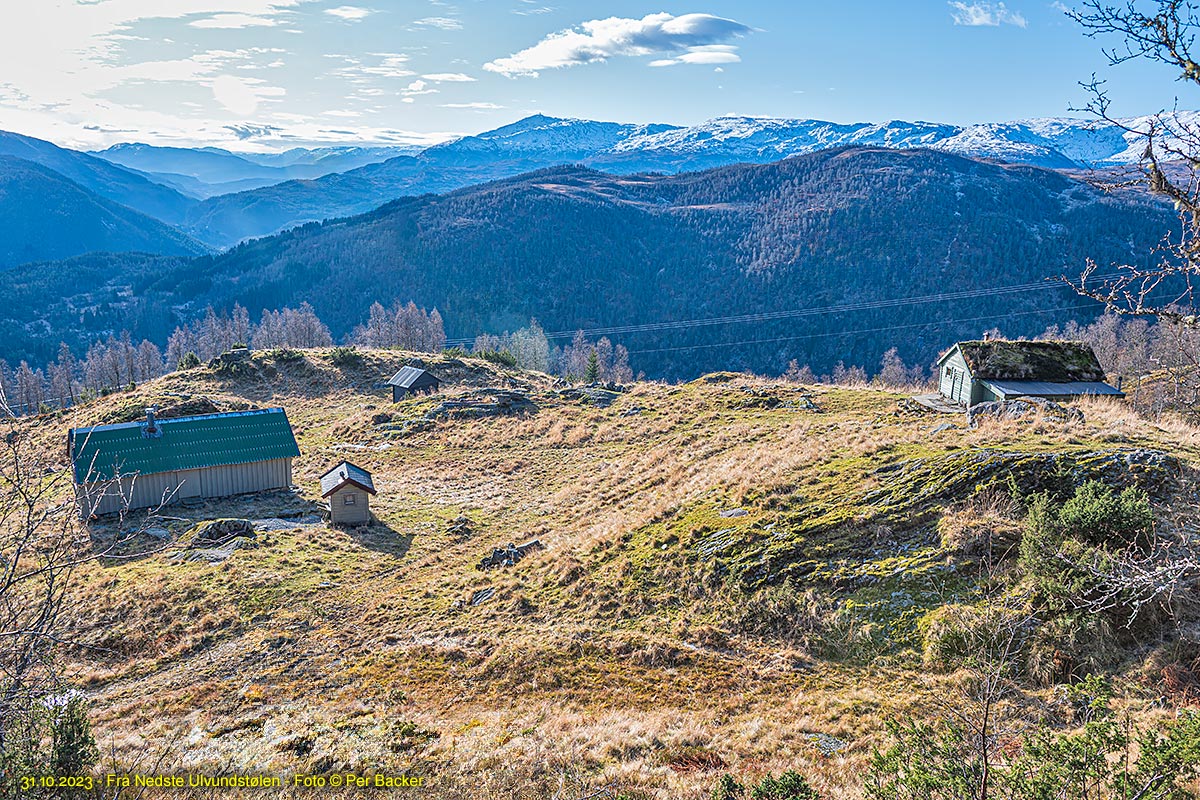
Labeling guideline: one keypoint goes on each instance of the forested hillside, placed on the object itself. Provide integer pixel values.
(575, 248)
(48, 217)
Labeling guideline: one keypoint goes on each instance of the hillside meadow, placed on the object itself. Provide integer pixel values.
(737, 576)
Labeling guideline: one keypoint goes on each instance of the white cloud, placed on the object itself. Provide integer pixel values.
(705, 54)
(444, 23)
(601, 39)
(448, 77)
(242, 96)
(232, 21)
(478, 106)
(390, 65)
(349, 13)
(984, 13)
(417, 87)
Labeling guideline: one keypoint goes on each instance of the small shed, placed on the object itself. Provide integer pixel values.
(153, 462)
(348, 489)
(1000, 369)
(412, 380)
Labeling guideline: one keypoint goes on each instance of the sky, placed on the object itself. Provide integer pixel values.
(272, 74)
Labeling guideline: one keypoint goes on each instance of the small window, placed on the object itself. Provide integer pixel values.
(349, 500)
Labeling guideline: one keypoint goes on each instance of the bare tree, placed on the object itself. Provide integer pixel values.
(1170, 157)
(42, 541)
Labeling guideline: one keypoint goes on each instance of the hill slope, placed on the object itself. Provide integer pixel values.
(576, 248)
(47, 217)
(652, 644)
(97, 175)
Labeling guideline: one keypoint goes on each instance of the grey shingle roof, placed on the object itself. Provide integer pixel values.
(407, 376)
(1045, 388)
(344, 473)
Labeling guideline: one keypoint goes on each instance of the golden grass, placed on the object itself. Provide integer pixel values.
(307, 651)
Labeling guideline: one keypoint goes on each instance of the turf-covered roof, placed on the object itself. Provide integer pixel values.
(1050, 361)
(209, 440)
(344, 473)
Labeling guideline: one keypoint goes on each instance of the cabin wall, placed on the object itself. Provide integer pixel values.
(349, 506)
(165, 488)
(954, 379)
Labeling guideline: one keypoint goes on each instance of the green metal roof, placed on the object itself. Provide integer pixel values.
(209, 440)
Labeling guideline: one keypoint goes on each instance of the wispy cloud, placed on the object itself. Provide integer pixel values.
(388, 65)
(529, 9)
(349, 13)
(234, 21)
(417, 87)
(601, 39)
(448, 77)
(985, 14)
(476, 106)
(443, 23)
(705, 54)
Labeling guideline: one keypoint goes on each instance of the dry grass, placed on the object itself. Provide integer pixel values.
(598, 662)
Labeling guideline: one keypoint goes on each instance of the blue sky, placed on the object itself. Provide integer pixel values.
(267, 74)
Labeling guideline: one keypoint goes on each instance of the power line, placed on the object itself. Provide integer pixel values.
(766, 316)
(860, 330)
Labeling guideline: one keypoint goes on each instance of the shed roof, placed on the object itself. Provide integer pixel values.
(1049, 361)
(208, 440)
(408, 376)
(343, 474)
(1048, 389)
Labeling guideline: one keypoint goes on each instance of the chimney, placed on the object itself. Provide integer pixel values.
(1120, 380)
(151, 424)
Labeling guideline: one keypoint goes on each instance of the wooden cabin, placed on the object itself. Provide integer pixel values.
(412, 380)
(348, 489)
(999, 369)
(152, 462)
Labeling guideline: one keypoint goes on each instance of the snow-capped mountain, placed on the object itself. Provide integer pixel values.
(540, 136)
(1054, 142)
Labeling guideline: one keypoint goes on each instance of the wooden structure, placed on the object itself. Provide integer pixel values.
(152, 462)
(999, 369)
(412, 380)
(348, 489)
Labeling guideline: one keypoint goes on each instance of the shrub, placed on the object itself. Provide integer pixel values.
(728, 788)
(283, 354)
(455, 352)
(954, 634)
(189, 361)
(501, 357)
(1099, 516)
(346, 357)
(788, 786)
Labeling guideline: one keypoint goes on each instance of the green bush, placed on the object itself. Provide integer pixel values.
(955, 634)
(1099, 516)
(788, 786)
(189, 361)
(455, 352)
(346, 357)
(728, 788)
(501, 357)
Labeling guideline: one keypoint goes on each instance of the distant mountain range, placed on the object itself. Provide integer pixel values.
(575, 247)
(48, 217)
(210, 171)
(538, 141)
(220, 198)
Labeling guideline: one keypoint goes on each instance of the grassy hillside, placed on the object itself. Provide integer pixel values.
(734, 578)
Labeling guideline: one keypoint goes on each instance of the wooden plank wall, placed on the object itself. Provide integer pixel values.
(150, 491)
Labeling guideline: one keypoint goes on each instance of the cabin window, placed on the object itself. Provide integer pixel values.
(349, 500)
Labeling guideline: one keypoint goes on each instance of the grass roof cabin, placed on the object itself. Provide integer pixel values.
(348, 489)
(999, 369)
(153, 462)
(412, 380)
